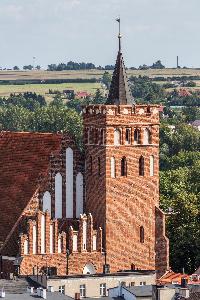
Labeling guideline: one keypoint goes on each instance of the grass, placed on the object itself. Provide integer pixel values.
(43, 89)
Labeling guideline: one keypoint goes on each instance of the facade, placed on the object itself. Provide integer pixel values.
(75, 213)
(97, 286)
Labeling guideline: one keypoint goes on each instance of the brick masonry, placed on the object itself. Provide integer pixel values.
(114, 208)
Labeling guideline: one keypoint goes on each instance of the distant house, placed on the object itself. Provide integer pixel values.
(69, 93)
(184, 93)
(82, 95)
(196, 124)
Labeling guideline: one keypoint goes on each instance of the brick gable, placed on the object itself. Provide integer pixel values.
(24, 157)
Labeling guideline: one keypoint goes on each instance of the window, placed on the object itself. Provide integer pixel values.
(42, 230)
(91, 136)
(123, 167)
(117, 137)
(143, 283)
(128, 136)
(82, 290)
(136, 136)
(147, 136)
(151, 165)
(132, 283)
(112, 167)
(103, 289)
(141, 234)
(99, 166)
(62, 289)
(46, 202)
(141, 166)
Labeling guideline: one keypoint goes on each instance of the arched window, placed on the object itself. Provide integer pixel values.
(128, 136)
(79, 194)
(141, 234)
(99, 166)
(112, 167)
(136, 136)
(147, 136)
(141, 166)
(117, 137)
(69, 183)
(58, 196)
(123, 167)
(46, 202)
(26, 247)
(151, 165)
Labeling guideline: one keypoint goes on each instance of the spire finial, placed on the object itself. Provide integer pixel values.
(119, 36)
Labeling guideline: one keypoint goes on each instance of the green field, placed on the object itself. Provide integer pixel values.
(43, 89)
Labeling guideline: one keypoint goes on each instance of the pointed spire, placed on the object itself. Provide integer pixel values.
(119, 93)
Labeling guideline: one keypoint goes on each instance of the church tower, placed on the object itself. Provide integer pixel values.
(122, 177)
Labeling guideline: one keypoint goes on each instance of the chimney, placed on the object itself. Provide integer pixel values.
(77, 296)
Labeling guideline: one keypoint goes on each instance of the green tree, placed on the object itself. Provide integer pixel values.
(106, 79)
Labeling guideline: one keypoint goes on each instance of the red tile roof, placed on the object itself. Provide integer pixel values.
(23, 158)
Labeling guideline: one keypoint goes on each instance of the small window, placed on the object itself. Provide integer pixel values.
(123, 167)
(62, 289)
(103, 289)
(141, 234)
(112, 167)
(82, 290)
(99, 166)
(141, 166)
(117, 137)
(151, 165)
(133, 283)
(91, 136)
(128, 136)
(136, 136)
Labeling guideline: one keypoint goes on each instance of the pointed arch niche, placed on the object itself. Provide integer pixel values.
(79, 194)
(69, 183)
(58, 196)
(46, 201)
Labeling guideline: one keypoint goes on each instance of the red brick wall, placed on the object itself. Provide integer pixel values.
(122, 204)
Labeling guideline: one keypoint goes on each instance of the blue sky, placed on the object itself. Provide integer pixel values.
(84, 30)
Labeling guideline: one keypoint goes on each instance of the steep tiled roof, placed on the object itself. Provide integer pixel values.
(23, 158)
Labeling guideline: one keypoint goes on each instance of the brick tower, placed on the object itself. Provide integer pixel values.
(122, 177)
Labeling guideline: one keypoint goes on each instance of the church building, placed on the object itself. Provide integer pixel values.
(68, 212)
